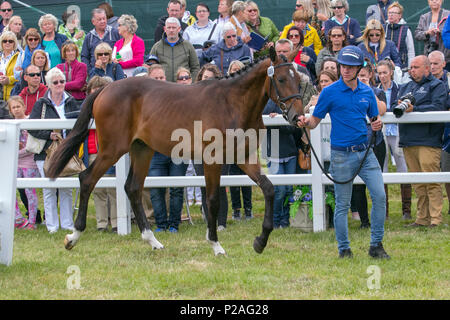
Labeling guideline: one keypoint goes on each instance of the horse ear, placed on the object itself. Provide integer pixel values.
(291, 56)
(273, 54)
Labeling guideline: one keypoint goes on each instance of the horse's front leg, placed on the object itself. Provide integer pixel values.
(254, 172)
(212, 179)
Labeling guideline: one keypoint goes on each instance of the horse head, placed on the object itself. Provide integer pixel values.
(284, 85)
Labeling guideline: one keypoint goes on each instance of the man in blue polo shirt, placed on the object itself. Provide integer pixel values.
(349, 102)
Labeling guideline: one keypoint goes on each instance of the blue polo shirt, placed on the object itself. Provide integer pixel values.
(348, 110)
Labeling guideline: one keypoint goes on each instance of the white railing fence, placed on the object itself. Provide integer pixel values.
(9, 137)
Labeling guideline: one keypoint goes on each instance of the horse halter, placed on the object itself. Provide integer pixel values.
(287, 112)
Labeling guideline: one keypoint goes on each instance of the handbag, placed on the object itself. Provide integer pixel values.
(73, 167)
(304, 159)
(35, 145)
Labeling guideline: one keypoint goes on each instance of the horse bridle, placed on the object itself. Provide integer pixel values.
(287, 112)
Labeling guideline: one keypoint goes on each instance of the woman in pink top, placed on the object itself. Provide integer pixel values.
(75, 71)
(26, 167)
(128, 51)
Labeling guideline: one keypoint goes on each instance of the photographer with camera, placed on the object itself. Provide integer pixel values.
(422, 142)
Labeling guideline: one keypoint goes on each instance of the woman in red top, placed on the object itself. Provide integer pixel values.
(75, 71)
(128, 51)
(306, 56)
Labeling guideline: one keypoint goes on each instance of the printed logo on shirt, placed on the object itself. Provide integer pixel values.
(364, 100)
(421, 90)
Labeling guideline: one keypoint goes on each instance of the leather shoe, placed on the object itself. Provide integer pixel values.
(414, 225)
(378, 252)
(346, 253)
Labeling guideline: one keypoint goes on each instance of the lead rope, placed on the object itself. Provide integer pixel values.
(372, 142)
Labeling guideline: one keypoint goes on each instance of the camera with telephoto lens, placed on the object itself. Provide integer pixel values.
(400, 109)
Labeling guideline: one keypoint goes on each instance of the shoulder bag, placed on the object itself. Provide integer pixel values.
(35, 145)
(74, 166)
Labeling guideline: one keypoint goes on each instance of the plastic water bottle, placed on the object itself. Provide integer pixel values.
(118, 56)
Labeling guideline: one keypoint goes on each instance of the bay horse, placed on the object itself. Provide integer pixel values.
(138, 115)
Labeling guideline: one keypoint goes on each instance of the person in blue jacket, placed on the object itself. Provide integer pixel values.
(230, 48)
(376, 47)
(282, 150)
(446, 39)
(422, 142)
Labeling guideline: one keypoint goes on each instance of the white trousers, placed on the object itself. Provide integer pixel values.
(51, 205)
(397, 152)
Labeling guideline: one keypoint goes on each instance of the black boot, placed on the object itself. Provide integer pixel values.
(378, 252)
(236, 214)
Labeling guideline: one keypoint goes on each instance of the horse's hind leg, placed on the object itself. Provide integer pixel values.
(88, 179)
(254, 172)
(140, 156)
(212, 179)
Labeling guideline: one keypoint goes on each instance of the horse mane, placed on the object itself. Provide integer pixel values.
(247, 68)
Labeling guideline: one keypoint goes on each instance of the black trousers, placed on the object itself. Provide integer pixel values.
(223, 199)
(236, 191)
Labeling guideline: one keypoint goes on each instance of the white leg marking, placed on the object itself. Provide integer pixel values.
(217, 248)
(74, 237)
(148, 236)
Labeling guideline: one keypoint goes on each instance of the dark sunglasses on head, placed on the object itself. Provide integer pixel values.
(4, 10)
(103, 54)
(183, 78)
(33, 39)
(8, 41)
(37, 74)
(232, 36)
(337, 7)
(58, 81)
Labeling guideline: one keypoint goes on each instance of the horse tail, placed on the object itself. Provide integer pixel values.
(76, 137)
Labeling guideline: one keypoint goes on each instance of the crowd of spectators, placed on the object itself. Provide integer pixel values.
(47, 70)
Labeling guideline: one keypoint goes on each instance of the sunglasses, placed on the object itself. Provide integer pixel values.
(8, 41)
(232, 36)
(33, 39)
(183, 78)
(374, 34)
(6, 10)
(336, 35)
(337, 7)
(58, 81)
(252, 10)
(294, 36)
(34, 74)
(100, 54)
(298, 5)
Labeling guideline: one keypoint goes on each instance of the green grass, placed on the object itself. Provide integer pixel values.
(294, 265)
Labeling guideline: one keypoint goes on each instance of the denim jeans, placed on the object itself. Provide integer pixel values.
(343, 166)
(162, 165)
(280, 211)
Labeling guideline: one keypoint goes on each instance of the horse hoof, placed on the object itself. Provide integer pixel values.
(258, 246)
(68, 244)
(157, 246)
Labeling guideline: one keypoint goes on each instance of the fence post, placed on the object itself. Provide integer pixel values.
(123, 204)
(318, 189)
(9, 144)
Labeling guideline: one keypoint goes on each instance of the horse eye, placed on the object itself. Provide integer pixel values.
(281, 80)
